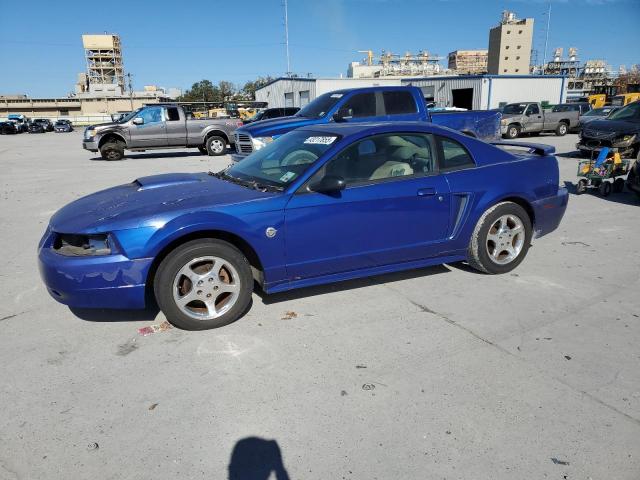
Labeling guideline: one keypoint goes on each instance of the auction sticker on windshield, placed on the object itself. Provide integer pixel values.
(320, 140)
(287, 176)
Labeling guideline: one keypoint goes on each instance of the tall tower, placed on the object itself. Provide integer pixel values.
(104, 60)
(510, 46)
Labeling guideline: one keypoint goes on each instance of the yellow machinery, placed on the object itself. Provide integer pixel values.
(625, 99)
(597, 100)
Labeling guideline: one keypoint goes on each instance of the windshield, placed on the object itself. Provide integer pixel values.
(630, 113)
(320, 106)
(281, 161)
(257, 116)
(129, 116)
(517, 108)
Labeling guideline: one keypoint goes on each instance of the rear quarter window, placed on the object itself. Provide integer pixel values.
(398, 103)
(453, 155)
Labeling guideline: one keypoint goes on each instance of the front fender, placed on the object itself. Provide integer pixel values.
(101, 136)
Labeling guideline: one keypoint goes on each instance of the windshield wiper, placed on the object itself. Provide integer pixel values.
(223, 175)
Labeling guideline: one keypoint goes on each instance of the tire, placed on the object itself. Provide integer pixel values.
(631, 177)
(618, 185)
(605, 189)
(203, 150)
(513, 131)
(562, 129)
(216, 146)
(226, 303)
(112, 151)
(482, 256)
(581, 187)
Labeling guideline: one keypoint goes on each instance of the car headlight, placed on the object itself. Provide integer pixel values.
(503, 121)
(624, 140)
(260, 142)
(89, 133)
(73, 245)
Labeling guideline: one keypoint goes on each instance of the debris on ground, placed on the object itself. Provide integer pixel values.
(289, 315)
(559, 462)
(93, 446)
(361, 366)
(582, 244)
(343, 393)
(368, 386)
(160, 327)
(153, 406)
(567, 357)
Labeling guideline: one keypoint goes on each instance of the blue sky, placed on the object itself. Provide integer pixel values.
(171, 43)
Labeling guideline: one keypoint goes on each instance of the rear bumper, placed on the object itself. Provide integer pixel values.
(548, 212)
(112, 281)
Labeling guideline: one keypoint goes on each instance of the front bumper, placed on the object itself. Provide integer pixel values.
(90, 145)
(548, 212)
(503, 129)
(109, 281)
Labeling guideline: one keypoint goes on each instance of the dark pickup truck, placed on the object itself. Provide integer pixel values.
(372, 104)
(160, 126)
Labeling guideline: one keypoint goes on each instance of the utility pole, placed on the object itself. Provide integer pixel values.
(130, 90)
(286, 36)
(546, 39)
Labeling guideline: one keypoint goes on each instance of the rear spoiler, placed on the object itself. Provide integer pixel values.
(537, 148)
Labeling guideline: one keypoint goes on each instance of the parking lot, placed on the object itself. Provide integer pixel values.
(434, 373)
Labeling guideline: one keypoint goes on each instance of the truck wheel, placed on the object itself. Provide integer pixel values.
(112, 151)
(605, 189)
(216, 146)
(203, 284)
(513, 131)
(618, 185)
(562, 129)
(203, 150)
(501, 239)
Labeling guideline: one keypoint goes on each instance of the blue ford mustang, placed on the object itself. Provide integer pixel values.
(320, 204)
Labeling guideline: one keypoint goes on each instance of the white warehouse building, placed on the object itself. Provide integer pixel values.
(473, 92)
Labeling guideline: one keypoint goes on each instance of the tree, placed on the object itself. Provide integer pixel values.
(226, 89)
(202, 91)
(249, 89)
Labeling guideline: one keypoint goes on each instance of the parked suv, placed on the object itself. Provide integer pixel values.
(268, 113)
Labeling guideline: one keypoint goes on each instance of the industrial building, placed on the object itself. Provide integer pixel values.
(473, 92)
(468, 62)
(103, 55)
(392, 65)
(510, 46)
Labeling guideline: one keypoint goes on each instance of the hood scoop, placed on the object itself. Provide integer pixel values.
(159, 181)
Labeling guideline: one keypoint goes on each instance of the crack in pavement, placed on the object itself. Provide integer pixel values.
(543, 373)
(14, 315)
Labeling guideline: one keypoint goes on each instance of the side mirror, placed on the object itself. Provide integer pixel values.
(343, 115)
(138, 121)
(328, 184)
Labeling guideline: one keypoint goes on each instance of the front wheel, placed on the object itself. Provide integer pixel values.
(203, 284)
(513, 131)
(216, 146)
(501, 239)
(112, 151)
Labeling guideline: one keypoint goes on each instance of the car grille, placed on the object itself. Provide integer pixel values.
(589, 133)
(243, 144)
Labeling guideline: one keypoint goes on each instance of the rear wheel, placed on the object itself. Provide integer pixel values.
(605, 189)
(501, 239)
(562, 129)
(112, 151)
(618, 185)
(216, 146)
(203, 284)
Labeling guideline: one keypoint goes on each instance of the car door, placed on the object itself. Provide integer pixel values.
(152, 132)
(535, 118)
(395, 208)
(176, 127)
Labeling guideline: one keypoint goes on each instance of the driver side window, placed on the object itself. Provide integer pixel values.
(533, 109)
(382, 157)
(151, 115)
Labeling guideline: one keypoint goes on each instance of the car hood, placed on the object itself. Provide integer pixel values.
(511, 115)
(277, 126)
(103, 125)
(148, 201)
(613, 126)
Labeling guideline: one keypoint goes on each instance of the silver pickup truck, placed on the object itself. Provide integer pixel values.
(160, 126)
(530, 117)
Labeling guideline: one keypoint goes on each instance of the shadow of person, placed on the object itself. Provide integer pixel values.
(255, 458)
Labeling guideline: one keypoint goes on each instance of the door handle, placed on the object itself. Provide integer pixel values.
(426, 192)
